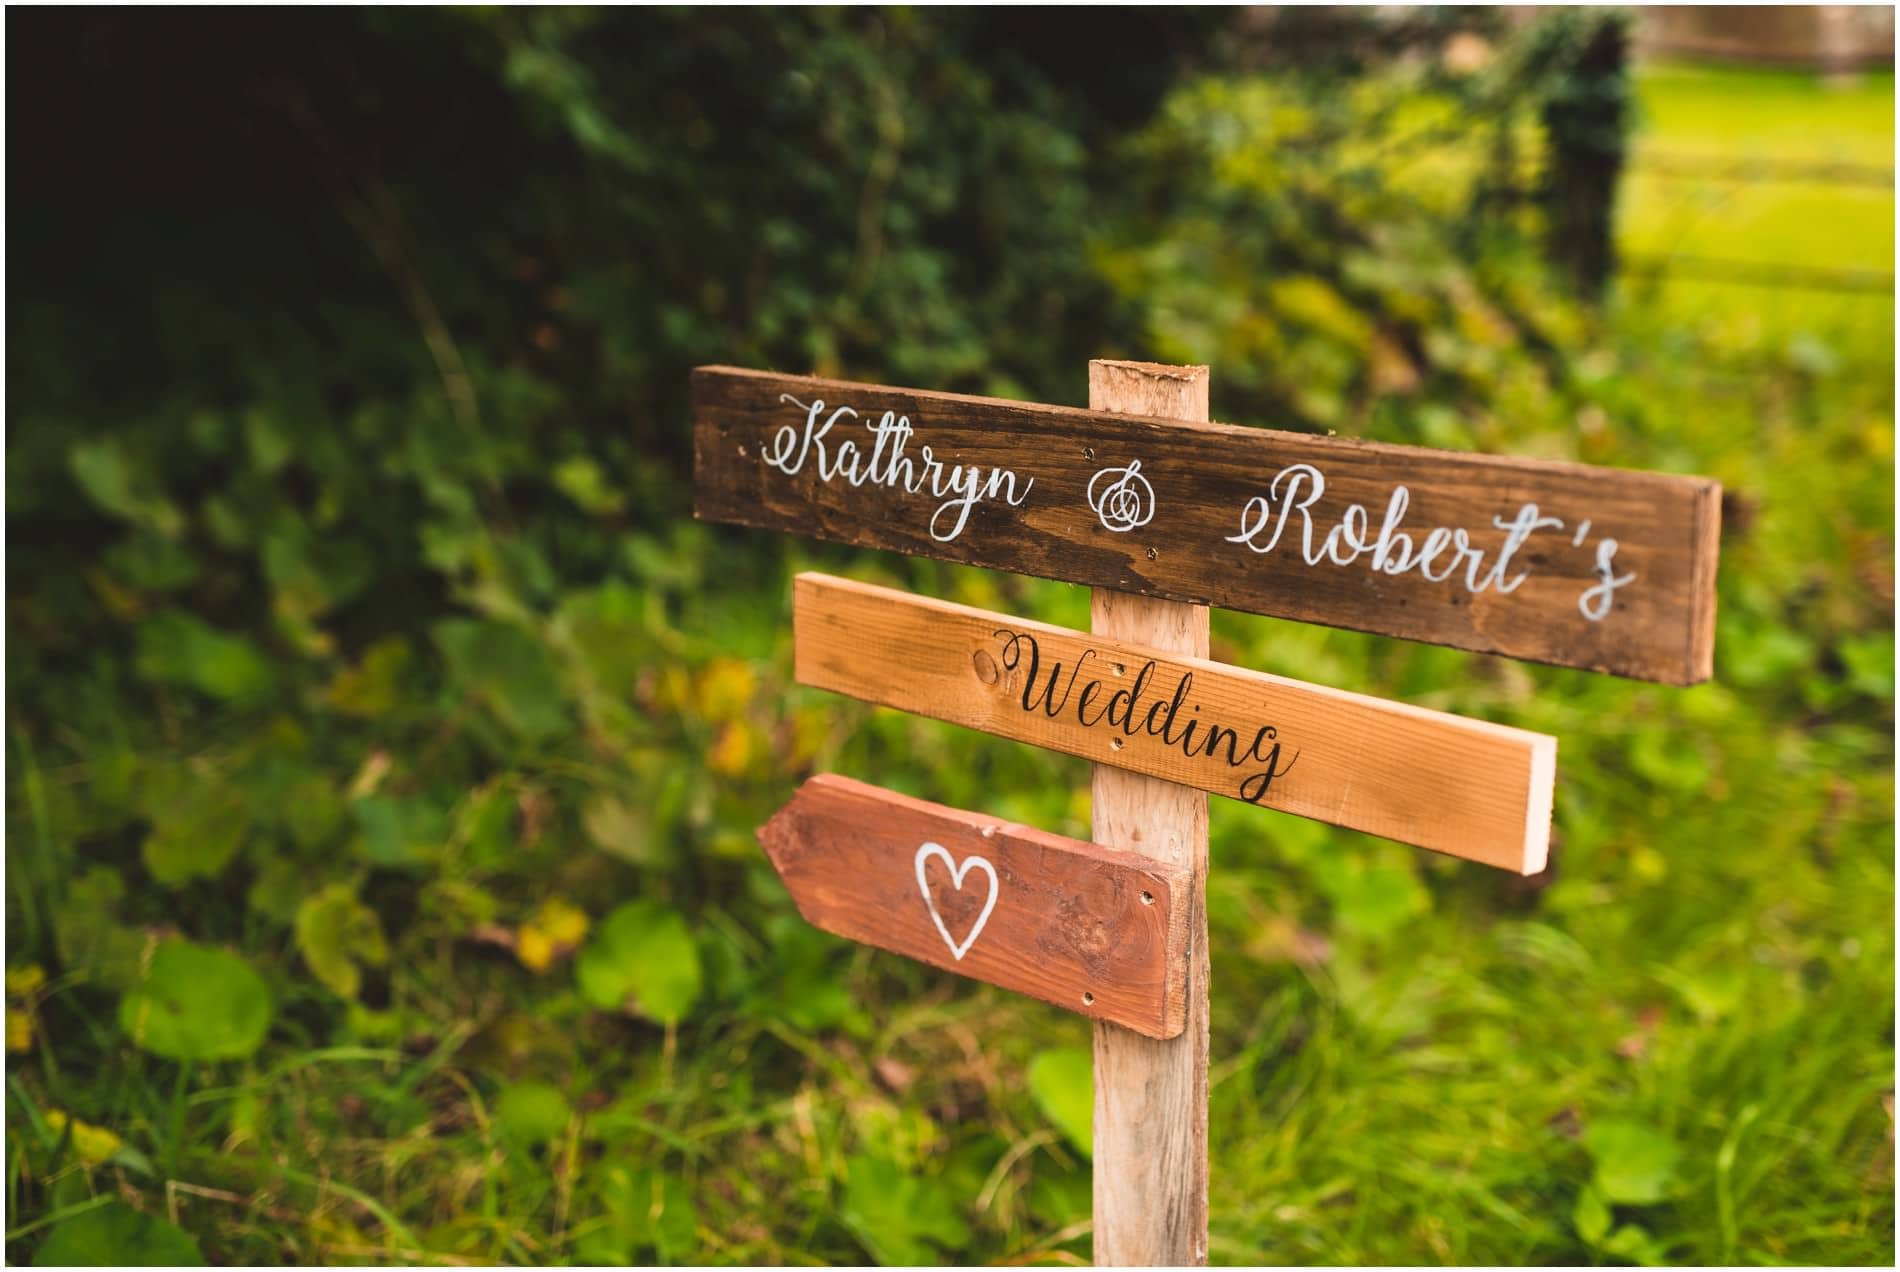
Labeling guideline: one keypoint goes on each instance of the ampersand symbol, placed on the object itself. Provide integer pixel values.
(1124, 503)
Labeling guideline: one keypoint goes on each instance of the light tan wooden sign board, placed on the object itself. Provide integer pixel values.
(1468, 788)
(1087, 928)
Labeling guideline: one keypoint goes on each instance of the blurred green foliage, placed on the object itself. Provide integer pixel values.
(386, 743)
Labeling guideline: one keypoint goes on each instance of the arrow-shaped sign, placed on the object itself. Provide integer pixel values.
(1096, 930)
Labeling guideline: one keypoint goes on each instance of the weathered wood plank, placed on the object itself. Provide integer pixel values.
(1560, 563)
(1468, 788)
(1095, 930)
(1150, 1177)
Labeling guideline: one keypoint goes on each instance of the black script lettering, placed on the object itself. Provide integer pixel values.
(1254, 788)
(1012, 656)
(1044, 688)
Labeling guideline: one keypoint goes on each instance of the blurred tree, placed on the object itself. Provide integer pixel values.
(1582, 55)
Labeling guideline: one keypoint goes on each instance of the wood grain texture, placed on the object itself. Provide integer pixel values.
(1468, 788)
(1528, 601)
(1087, 928)
(1150, 1176)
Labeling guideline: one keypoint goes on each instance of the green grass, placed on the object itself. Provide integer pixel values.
(1730, 112)
(1677, 1046)
(1723, 116)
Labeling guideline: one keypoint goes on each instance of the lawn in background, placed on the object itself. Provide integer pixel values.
(1779, 126)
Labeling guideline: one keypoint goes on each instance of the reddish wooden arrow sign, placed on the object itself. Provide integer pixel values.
(1092, 929)
(1560, 563)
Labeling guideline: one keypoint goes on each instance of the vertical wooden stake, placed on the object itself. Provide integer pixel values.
(1151, 1096)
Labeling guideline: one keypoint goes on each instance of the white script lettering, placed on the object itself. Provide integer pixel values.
(1295, 489)
(959, 487)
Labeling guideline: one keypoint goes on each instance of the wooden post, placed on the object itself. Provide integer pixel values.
(1151, 1095)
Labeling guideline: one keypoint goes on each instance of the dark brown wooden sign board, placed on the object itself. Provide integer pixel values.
(1087, 928)
(1560, 563)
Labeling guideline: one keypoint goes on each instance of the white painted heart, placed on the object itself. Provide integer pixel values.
(957, 873)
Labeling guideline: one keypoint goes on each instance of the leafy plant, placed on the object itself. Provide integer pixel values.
(197, 1003)
(900, 1218)
(642, 960)
(115, 1235)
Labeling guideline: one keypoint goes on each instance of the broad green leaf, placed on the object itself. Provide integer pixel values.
(532, 1112)
(901, 1218)
(606, 630)
(604, 1247)
(1669, 760)
(311, 573)
(119, 486)
(1756, 654)
(1712, 993)
(582, 479)
(336, 932)
(269, 442)
(1869, 662)
(106, 475)
(278, 889)
(1063, 1084)
(115, 1235)
(801, 986)
(152, 562)
(197, 1003)
(312, 810)
(504, 666)
(619, 830)
(90, 934)
(1591, 1217)
(1635, 1163)
(375, 685)
(648, 1209)
(400, 832)
(1635, 1244)
(641, 959)
(486, 824)
(196, 836)
(176, 648)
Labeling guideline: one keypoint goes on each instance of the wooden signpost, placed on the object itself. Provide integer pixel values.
(1163, 514)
